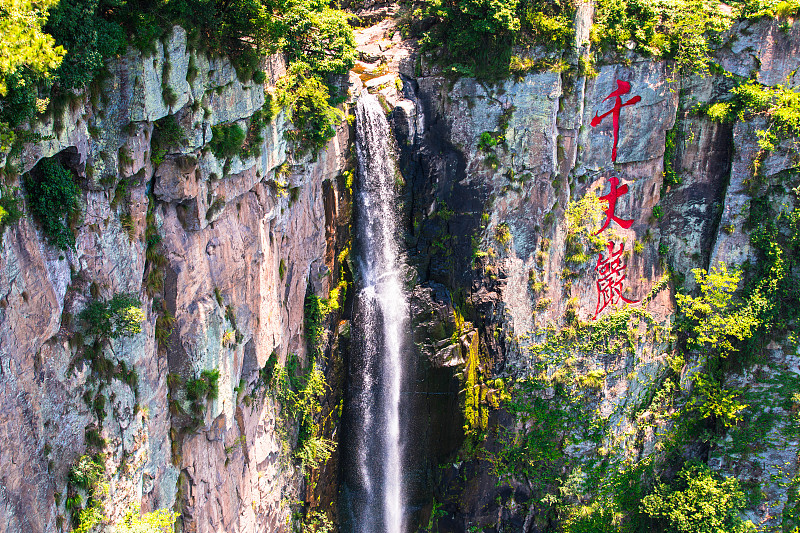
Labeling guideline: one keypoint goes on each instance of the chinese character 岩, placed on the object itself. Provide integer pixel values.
(610, 275)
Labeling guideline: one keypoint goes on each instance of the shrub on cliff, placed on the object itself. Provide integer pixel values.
(779, 104)
(717, 319)
(698, 501)
(87, 474)
(10, 207)
(52, 196)
(121, 316)
(204, 387)
(227, 140)
(201, 389)
(158, 521)
(167, 134)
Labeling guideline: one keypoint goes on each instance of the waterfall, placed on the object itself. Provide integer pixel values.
(373, 485)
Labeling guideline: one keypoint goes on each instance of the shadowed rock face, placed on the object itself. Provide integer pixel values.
(262, 232)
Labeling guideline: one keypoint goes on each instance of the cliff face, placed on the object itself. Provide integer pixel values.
(500, 177)
(236, 244)
(499, 198)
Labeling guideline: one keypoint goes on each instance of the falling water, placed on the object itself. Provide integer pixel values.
(373, 482)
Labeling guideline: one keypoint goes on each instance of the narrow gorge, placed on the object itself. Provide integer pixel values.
(470, 266)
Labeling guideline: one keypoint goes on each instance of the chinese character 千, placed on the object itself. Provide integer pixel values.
(611, 198)
(623, 87)
(610, 275)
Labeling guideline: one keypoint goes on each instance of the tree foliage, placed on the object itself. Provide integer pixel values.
(679, 29)
(311, 32)
(476, 37)
(473, 37)
(88, 38)
(698, 502)
(158, 521)
(121, 316)
(717, 318)
(23, 43)
(27, 57)
(53, 195)
(549, 22)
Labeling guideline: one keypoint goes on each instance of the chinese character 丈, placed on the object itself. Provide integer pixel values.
(610, 275)
(623, 87)
(611, 198)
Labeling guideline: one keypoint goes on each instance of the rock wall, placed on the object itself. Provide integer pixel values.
(237, 244)
(495, 173)
(499, 180)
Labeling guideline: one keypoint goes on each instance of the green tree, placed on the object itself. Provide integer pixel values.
(88, 38)
(698, 501)
(549, 21)
(27, 57)
(473, 36)
(238, 28)
(317, 35)
(717, 318)
(23, 43)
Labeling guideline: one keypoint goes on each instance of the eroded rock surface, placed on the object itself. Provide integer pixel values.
(492, 170)
(243, 242)
(491, 175)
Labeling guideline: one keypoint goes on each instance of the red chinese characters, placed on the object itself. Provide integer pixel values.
(611, 266)
(610, 275)
(623, 87)
(611, 198)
